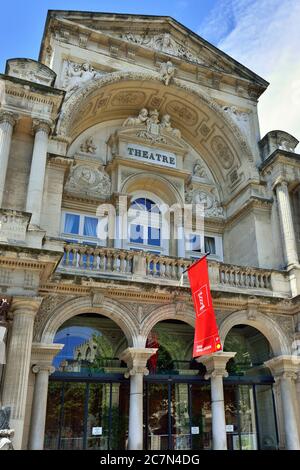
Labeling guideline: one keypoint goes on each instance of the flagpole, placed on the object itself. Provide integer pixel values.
(180, 284)
(196, 262)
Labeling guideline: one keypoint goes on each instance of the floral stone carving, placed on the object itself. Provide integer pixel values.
(210, 202)
(88, 181)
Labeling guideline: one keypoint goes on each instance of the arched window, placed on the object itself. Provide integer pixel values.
(144, 225)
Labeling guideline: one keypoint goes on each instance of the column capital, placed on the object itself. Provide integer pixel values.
(216, 363)
(280, 181)
(26, 305)
(41, 125)
(284, 367)
(136, 360)
(42, 354)
(37, 368)
(8, 116)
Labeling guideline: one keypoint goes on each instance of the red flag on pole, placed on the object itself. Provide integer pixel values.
(206, 340)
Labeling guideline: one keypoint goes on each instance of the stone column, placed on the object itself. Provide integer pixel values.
(136, 359)
(42, 358)
(284, 370)
(37, 171)
(7, 123)
(286, 223)
(18, 362)
(216, 369)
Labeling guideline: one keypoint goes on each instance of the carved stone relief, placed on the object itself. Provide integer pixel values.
(241, 118)
(222, 151)
(165, 43)
(45, 312)
(150, 120)
(167, 72)
(128, 98)
(183, 112)
(76, 75)
(199, 170)
(88, 181)
(88, 146)
(212, 207)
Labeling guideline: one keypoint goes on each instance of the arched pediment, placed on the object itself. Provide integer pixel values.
(202, 122)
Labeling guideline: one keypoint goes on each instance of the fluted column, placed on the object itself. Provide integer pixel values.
(7, 123)
(284, 370)
(37, 170)
(216, 369)
(18, 362)
(136, 360)
(286, 223)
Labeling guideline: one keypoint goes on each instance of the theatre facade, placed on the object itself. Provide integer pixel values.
(109, 143)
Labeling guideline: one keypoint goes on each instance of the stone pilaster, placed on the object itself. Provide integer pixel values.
(284, 370)
(42, 358)
(286, 223)
(7, 123)
(37, 171)
(18, 362)
(216, 369)
(136, 360)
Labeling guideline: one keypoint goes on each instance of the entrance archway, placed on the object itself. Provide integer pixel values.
(177, 411)
(88, 397)
(248, 391)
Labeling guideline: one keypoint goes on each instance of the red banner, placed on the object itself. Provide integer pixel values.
(207, 340)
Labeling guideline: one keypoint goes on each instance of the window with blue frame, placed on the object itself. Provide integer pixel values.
(81, 228)
(144, 223)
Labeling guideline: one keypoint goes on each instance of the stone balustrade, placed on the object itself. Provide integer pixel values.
(238, 276)
(97, 259)
(153, 268)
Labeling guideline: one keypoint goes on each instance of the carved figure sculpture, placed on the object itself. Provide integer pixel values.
(88, 146)
(136, 121)
(167, 71)
(77, 75)
(166, 126)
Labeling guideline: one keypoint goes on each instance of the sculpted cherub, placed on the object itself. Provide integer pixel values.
(138, 120)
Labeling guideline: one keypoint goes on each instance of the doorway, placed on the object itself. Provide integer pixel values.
(177, 415)
(87, 415)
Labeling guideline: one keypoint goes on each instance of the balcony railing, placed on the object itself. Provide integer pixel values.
(152, 268)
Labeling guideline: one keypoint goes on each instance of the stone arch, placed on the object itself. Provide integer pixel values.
(167, 312)
(164, 189)
(202, 121)
(109, 308)
(278, 340)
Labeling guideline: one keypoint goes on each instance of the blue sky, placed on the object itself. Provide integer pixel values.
(262, 34)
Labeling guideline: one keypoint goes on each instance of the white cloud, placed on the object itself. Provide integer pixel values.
(265, 36)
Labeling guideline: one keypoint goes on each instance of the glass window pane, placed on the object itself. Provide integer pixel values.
(266, 417)
(153, 236)
(193, 242)
(53, 415)
(248, 438)
(136, 233)
(90, 227)
(201, 417)
(158, 417)
(71, 223)
(210, 245)
(73, 417)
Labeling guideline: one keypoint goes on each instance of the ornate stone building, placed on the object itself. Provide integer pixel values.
(137, 113)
